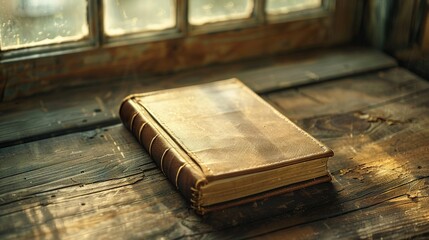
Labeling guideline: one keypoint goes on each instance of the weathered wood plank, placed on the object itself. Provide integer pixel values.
(380, 168)
(83, 109)
(69, 161)
(352, 94)
(396, 218)
(340, 65)
(86, 178)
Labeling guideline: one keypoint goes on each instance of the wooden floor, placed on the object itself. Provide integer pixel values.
(69, 169)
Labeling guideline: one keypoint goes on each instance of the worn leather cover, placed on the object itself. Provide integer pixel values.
(214, 131)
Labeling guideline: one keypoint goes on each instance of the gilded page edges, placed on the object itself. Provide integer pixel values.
(289, 188)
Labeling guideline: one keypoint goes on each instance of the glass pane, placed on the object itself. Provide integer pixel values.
(208, 11)
(27, 23)
(130, 16)
(286, 6)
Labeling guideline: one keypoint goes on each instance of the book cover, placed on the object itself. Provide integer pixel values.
(220, 144)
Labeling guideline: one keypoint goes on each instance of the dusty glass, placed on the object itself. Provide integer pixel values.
(209, 11)
(28, 23)
(131, 16)
(287, 6)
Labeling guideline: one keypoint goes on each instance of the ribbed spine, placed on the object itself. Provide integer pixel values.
(168, 157)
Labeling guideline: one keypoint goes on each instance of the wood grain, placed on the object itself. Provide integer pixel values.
(353, 94)
(100, 183)
(305, 72)
(76, 109)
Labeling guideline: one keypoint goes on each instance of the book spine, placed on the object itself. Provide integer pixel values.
(170, 158)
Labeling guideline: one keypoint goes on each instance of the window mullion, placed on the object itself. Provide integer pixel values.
(182, 16)
(95, 21)
(260, 11)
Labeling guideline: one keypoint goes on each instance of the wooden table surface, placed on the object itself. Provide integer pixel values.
(69, 169)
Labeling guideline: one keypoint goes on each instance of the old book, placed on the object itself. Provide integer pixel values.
(221, 145)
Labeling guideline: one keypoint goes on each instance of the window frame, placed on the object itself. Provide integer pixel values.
(83, 44)
(118, 61)
(96, 37)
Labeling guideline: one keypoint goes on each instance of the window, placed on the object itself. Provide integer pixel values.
(210, 11)
(47, 25)
(29, 23)
(132, 16)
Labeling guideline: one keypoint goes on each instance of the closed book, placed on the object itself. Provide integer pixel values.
(220, 144)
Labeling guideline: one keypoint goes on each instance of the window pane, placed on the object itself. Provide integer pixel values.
(208, 11)
(286, 6)
(27, 23)
(130, 16)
